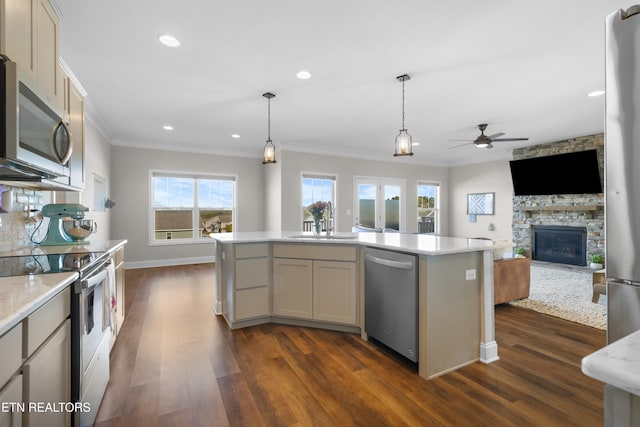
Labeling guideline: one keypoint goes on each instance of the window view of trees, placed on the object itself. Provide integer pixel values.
(428, 195)
(189, 208)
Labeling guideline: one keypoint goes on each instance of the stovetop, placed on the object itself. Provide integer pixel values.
(48, 263)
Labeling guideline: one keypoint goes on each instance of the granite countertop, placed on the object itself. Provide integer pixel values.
(22, 295)
(617, 364)
(423, 244)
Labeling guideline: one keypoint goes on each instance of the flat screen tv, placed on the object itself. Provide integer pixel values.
(570, 173)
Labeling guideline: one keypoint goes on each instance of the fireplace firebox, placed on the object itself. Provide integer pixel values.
(561, 244)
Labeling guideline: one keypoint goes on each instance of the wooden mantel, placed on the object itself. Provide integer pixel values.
(559, 208)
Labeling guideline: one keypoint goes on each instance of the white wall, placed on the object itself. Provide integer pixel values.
(294, 164)
(491, 177)
(130, 190)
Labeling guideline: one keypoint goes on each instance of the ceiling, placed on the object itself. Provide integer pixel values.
(523, 67)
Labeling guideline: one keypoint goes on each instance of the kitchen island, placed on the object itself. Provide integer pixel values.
(296, 278)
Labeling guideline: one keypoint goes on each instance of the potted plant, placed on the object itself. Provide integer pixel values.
(596, 261)
(519, 252)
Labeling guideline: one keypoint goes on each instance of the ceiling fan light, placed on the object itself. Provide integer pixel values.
(404, 146)
(482, 144)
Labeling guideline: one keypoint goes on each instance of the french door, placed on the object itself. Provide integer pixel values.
(378, 203)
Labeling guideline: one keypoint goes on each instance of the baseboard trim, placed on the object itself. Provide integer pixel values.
(130, 265)
(489, 352)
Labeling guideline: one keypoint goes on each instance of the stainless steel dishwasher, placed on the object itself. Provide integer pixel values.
(391, 300)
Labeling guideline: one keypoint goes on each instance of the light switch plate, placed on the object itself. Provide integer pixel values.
(470, 274)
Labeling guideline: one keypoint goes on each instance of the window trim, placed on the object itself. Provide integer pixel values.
(319, 175)
(193, 175)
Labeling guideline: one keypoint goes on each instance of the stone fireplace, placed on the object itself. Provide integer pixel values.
(555, 212)
(556, 243)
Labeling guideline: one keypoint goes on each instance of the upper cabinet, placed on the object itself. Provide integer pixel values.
(73, 102)
(29, 31)
(29, 37)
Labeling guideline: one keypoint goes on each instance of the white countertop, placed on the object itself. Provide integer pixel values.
(617, 364)
(102, 246)
(22, 295)
(422, 244)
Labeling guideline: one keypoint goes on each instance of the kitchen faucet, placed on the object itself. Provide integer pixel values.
(329, 212)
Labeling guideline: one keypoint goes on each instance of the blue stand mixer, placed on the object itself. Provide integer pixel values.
(67, 225)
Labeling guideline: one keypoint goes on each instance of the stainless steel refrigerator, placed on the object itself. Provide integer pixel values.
(622, 183)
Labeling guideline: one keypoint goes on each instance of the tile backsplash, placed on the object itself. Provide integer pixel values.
(15, 226)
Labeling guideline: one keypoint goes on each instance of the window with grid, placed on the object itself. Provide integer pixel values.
(187, 208)
(428, 207)
(317, 188)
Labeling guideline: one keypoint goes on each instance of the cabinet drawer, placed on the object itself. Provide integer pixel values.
(42, 322)
(252, 272)
(321, 252)
(10, 353)
(252, 303)
(252, 250)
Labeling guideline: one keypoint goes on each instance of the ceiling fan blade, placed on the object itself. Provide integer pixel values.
(511, 139)
(496, 135)
(461, 145)
(489, 146)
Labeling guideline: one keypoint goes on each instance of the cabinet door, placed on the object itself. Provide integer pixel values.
(334, 291)
(47, 378)
(16, 41)
(11, 395)
(76, 128)
(292, 287)
(46, 50)
(120, 295)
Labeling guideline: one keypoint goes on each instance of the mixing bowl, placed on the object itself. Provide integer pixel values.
(79, 229)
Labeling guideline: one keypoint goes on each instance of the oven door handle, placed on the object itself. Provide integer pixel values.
(94, 279)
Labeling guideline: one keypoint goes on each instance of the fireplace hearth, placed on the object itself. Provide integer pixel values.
(560, 244)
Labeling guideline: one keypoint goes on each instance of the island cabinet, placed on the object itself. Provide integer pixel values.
(246, 278)
(449, 311)
(316, 282)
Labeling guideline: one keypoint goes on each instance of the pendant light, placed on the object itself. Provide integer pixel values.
(269, 148)
(403, 140)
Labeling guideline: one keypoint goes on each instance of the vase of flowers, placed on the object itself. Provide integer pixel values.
(317, 211)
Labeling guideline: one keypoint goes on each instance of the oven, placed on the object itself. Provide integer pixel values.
(91, 332)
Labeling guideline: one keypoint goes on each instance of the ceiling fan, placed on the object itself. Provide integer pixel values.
(484, 141)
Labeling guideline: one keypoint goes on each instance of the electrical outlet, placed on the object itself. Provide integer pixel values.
(470, 274)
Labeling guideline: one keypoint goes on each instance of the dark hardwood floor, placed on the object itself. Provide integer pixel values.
(177, 364)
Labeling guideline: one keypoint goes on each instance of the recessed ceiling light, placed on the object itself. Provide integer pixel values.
(303, 75)
(235, 135)
(168, 40)
(167, 127)
(596, 93)
(415, 143)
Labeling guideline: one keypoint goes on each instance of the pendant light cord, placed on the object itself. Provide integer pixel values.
(403, 104)
(268, 119)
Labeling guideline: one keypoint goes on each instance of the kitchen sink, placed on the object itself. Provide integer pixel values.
(325, 237)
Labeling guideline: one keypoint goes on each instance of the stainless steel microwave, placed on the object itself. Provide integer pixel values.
(36, 141)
